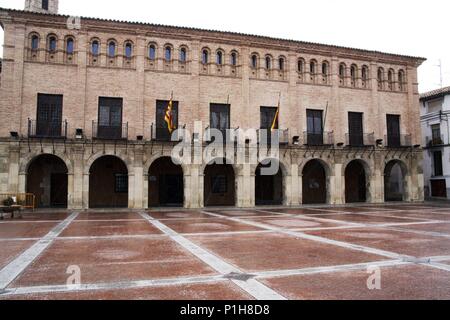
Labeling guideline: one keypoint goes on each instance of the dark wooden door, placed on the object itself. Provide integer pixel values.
(49, 115)
(393, 130)
(314, 127)
(265, 189)
(355, 183)
(171, 190)
(438, 188)
(58, 190)
(355, 129)
(110, 118)
(314, 183)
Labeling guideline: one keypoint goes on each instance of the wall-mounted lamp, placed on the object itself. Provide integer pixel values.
(379, 142)
(79, 133)
(296, 140)
(340, 144)
(140, 138)
(417, 146)
(14, 134)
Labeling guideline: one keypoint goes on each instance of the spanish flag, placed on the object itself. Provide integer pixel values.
(275, 120)
(169, 118)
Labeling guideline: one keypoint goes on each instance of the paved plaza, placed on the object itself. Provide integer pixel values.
(263, 253)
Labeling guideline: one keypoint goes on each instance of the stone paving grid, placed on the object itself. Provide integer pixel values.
(286, 253)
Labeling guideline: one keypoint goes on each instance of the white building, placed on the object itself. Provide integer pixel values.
(435, 114)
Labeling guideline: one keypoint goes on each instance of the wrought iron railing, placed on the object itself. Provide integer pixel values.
(163, 134)
(47, 129)
(435, 141)
(397, 141)
(318, 139)
(266, 136)
(109, 132)
(360, 140)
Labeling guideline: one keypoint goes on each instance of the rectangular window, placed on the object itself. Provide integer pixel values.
(162, 129)
(314, 126)
(437, 159)
(436, 134)
(49, 115)
(110, 118)
(219, 184)
(355, 129)
(220, 117)
(45, 4)
(121, 183)
(267, 116)
(393, 130)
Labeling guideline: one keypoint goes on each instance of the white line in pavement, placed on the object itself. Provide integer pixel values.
(297, 234)
(256, 289)
(18, 265)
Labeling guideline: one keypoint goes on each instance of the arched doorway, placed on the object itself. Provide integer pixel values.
(314, 183)
(355, 182)
(268, 187)
(108, 183)
(219, 185)
(47, 180)
(165, 184)
(395, 188)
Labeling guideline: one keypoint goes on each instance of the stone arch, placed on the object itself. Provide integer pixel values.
(88, 162)
(25, 161)
(357, 184)
(396, 176)
(316, 181)
(47, 179)
(271, 189)
(108, 182)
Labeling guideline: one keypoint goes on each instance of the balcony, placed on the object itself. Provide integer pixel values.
(47, 129)
(163, 134)
(109, 132)
(434, 141)
(360, 140)
(398, 141)
(318, 139)
(266, 136)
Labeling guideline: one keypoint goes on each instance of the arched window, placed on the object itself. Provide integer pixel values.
(301, 65)
(112, 49)
(95, 48)
(205, 56)
(342, 71)
(219, 58)
(69, 46)
(268, 63)
(353, 74)
(312, 67)
(152, 52)
(128, 50)
(168, 54)
(401, 80)
(391, 79)
(380, 78)
(234, 59)
(183, 55)
(365, 73)
(281, 63)
(325, 68)
(254, 61)
(34, 42)
(52, 44)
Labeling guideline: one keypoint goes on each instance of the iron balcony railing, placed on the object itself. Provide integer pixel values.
(163, 134)
(398, 141)
(318, 139)
(211, 135)
(109, 132)
(434, 141)
(360, 140)
(47, 129)
(266, 136)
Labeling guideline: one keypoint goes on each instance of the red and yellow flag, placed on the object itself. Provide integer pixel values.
(169, 117)
(275, 120)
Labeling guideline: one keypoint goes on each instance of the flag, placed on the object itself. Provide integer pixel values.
(275, 120)
(169, 118)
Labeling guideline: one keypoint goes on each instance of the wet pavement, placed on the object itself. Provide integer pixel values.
(350, 252)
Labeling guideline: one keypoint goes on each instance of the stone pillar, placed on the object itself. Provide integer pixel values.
(13, 173)
(378, 179)
(338, 194)
(145, 191)
(193, 187)
(77, 190)
(86, 190)
(138, 197)
(245, 189)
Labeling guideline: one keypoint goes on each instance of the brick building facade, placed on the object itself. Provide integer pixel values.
(84, 98)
